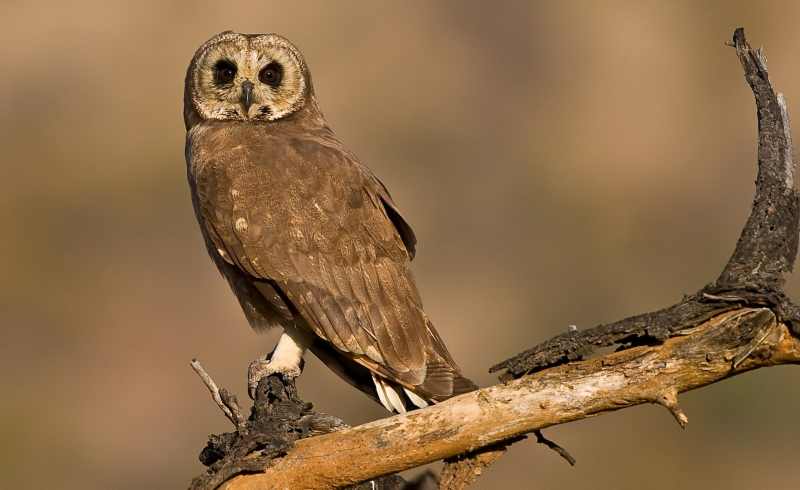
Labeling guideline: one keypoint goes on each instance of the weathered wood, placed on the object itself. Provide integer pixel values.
(767, 246)
(646, 328)
(646, 374)
(757, 270)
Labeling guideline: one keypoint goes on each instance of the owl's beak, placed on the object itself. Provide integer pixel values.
(247, 95)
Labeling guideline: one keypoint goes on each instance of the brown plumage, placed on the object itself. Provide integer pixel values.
(307, 236)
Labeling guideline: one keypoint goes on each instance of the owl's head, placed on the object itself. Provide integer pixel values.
(245, 77)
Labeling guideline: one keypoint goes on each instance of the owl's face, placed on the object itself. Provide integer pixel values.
(246, 77)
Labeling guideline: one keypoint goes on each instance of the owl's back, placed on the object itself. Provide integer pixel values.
(274, 187)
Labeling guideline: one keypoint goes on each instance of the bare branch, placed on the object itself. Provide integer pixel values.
(757, 270)
(669, 400)
(541, 439)
(573, 345)
(767, 247)
(554, 396)
(224, 400)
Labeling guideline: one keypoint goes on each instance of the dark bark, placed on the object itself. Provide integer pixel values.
(767, 247)
(754, 275)
(277, 419)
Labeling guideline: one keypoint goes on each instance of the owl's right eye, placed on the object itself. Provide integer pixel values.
(224, 72)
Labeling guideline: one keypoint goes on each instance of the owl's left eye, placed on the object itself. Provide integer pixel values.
(272, 74)
(224, 72)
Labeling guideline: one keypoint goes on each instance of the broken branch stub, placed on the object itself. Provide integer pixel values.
(767, 247)
(756, 272)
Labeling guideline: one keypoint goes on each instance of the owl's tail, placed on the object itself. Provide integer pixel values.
(463, 385)
(443, 380)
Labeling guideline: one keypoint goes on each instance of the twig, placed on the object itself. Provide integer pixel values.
(224, 400)
(669, 400)
(541, 439)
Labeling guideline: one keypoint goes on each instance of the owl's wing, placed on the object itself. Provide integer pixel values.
(401, 225)
(311, 222)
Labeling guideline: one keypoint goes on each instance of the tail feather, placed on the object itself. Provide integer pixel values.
(463, 385)
(443, 378)
(417, 400)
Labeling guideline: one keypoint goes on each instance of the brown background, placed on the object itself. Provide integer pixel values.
(562, 163)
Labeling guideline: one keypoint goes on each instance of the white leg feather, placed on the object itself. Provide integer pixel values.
(381, 393)
(290, 349)
(394, 397)
(415, 399)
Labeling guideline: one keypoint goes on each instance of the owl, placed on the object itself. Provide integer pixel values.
(307, 237)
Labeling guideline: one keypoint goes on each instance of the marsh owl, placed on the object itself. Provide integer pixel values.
(307, 236)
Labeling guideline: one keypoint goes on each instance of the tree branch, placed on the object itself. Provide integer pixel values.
(757, 270)
(767, 247)
(554, 396)
(743, 321)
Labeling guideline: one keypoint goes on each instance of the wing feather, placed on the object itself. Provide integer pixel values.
(304, 215)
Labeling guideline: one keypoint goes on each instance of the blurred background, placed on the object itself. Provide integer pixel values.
(562, 163)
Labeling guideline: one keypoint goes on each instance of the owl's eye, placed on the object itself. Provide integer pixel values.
(224, 72)
(272, 74)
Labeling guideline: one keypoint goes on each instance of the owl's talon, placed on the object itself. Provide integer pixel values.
(257, 370)
(263, 367)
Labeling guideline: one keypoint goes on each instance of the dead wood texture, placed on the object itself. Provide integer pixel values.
(740, 322)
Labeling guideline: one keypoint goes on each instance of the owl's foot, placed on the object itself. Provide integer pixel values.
(263, 367)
